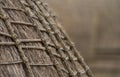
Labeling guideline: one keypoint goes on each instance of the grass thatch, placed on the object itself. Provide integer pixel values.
(33, 46)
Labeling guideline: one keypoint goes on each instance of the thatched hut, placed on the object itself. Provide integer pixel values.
(32, 43)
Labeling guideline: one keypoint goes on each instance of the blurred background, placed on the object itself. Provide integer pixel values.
(94, 26)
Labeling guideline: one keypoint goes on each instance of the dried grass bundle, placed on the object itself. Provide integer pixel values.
(33, 45)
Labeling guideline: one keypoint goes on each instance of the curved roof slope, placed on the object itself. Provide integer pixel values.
(33, 45)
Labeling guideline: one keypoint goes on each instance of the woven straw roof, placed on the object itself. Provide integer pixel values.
(32, 43)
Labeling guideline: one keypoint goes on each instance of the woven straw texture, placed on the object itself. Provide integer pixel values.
(33, 44)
